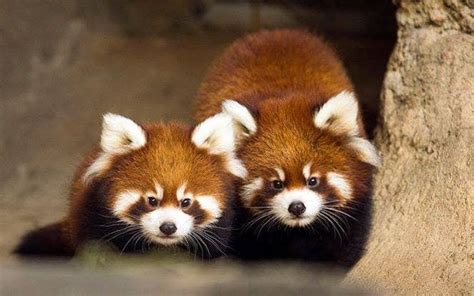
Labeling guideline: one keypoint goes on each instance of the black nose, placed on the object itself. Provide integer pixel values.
(168, 228)
(297, 208)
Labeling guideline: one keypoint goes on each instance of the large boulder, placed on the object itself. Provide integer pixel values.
(422, 236)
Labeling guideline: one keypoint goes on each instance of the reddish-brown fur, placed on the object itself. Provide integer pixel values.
(169, 158)
(283, 77)
(138, 169)
(272, 64)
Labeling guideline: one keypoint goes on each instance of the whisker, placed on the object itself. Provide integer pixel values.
(213, 242)
(129, 240)
(140, 237)
(249, 224)
(118, 233)
(336, 221)
(262, 226)
(198, 244)
(341, 212)
(203, 243)
(219, 227)
(336, 230)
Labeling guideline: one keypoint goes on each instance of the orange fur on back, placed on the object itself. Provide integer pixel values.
(302, 141)
(281, 76)
(272, 64)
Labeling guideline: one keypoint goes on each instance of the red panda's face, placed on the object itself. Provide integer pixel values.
(165, 214)
(296, 181)
(172, 183)
(302, 164)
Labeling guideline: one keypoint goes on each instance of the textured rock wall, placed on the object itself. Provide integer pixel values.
(422, 239)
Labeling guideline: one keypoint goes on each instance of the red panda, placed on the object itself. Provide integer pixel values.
(308, 192)
(147, 186)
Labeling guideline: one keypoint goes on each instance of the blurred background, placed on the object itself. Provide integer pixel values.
(65, 63)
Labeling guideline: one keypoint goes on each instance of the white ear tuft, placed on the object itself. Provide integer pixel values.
(339, 114)
(216, 135)
(120, 134)
(98, 167)
(366, 151)
(243, 119)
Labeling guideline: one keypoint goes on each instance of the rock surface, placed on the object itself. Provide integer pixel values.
(422, 239)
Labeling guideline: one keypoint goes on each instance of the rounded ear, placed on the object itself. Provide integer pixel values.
(339, 114)
(120, 134)
(216, 135)
(244, 122)
(366, 151)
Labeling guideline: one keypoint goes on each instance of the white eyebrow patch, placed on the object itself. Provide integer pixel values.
(281, 173)
(159, 191)
(307, 170)
(341, 184)
(210, 204)
(180, 194)
(123, 203)
(249, 190)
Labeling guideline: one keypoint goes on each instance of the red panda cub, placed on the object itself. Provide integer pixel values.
(148, 186)
(307, 194)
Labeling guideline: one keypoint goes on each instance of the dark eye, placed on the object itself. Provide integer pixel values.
(185, 203)
(277, 184)
(152, 201)
(313, 182)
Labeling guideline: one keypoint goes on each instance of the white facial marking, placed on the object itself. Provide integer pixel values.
(209, 204)
(250, 189)
(216, 135)
(159, 191)
(241, 115)
(341, 184)
(311, 200)
(339, 114)
(123, 203)
(366, 151)
(281, 173)
(152, 221)
(307, 170)
(180, 192)
(97, 168)
(120, 134)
